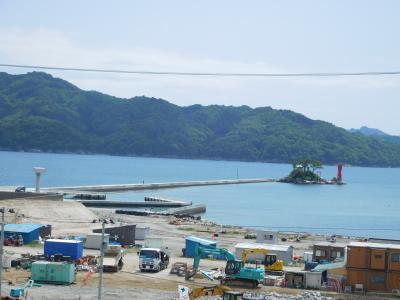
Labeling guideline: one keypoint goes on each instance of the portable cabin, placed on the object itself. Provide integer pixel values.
(192, 241)
(313, 280)
(72, 248)
(141, 232)
(326, 252)
(267, 237)
(282, 252)
(374, 266)
(333, 275)
(121, 234)
(29, 232)
(308, 256)
(384, 241)
(295, 279)
(93, 240)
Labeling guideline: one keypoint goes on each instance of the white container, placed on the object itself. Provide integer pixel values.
(7, 261)
(153, 242)
(141, 233)
(308, 257)
(267, 237)
(282, 252)
(313, 280)
(93, 240)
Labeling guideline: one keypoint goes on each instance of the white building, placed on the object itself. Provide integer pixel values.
(141, 232)
(282, 252)
(267, 237)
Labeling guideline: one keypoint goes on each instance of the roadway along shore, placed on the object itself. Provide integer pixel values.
(154, 186)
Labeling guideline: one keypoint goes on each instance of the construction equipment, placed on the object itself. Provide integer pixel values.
(14, 240)
(153, 259)
(113, 258)
(270, 262)
(235, 272)
(216, 290)
(178, 268)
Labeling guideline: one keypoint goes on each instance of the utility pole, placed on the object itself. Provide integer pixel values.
(101, 262)
(1, 245)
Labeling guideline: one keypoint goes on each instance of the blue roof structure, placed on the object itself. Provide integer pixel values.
(192, 241)
(22, 228)
(201, 241)
(331, 266)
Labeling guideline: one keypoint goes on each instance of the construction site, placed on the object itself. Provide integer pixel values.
(72, 243)
(57, 249)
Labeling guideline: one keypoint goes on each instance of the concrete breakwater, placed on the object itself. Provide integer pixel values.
(190, 210)
(132, 204)
(154, 186)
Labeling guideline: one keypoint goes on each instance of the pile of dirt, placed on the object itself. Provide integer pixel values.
(56, 213)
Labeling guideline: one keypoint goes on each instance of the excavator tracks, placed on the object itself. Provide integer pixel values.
(251, 284)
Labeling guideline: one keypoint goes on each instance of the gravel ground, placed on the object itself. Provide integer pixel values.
(71, 218)
(50, 292)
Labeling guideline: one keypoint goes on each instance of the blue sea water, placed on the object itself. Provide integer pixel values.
(368, 205)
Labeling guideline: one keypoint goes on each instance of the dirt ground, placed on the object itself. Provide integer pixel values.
(72, 218)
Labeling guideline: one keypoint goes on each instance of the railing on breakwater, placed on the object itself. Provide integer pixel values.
(154, 186)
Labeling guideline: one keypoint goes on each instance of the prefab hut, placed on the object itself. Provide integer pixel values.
(282, 252)
(29, 232)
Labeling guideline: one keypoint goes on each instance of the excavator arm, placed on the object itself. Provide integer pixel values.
(235, 272)
(201, 251)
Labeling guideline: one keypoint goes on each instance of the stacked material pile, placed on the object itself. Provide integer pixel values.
(308, 295)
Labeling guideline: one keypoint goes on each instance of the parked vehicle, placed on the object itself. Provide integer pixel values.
(235, 271)
(14, 240)
(113, 258)
(153, 259)
(20, 189)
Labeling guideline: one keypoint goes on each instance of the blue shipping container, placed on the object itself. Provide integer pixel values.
(71, 248)
(192, 241)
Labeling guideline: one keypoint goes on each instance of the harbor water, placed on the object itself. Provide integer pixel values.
(367, 206)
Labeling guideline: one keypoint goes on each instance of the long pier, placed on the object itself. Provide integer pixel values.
(131, 204)
(154, 186)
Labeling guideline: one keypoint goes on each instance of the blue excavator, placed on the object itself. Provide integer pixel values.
(236, 273)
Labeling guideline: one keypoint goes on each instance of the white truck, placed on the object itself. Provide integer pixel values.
(153, 259)
(113, 258)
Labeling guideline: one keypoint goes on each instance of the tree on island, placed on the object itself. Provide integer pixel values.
(304, 170)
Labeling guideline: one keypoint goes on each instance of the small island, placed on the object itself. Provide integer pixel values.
(305, 171)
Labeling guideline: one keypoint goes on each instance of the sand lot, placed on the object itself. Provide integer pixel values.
(72, 218)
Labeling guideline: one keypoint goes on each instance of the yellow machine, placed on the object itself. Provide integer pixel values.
(217, 290)
(271, 263)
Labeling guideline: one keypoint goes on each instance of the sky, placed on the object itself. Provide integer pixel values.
(257, 36)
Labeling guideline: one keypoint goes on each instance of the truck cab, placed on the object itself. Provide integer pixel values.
(153, 259)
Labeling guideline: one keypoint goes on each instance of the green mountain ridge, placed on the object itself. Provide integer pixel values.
(38, 111)
(376, 133)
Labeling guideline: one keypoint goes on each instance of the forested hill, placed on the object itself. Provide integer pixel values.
(40, 112)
